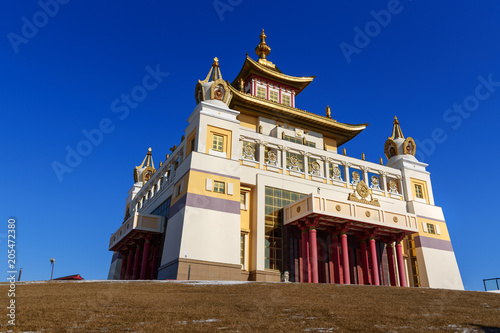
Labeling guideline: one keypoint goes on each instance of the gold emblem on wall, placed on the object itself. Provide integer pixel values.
(361, 194)
(355, 176)
(315, 166)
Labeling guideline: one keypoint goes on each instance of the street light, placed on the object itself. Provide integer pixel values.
(52, 262)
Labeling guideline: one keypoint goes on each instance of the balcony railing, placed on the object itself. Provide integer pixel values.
(137, 223)
(294, 159)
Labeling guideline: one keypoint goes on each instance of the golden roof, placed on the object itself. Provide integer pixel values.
(256, 106)
(267, 70)
(248, 104)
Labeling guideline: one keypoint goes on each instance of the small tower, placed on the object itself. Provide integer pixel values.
(143, 172)
(397, 145)
(432, 249)
(400, 153)
(213, 89)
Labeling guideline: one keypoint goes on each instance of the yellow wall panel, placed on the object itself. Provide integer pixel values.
(248, 121)
(197, 185)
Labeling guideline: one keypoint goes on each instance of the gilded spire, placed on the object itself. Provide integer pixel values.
(148, 160)
(214, 73)
(262, 49)
(397, 133)
(144, 171)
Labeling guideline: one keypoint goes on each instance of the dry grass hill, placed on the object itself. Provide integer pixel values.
(204, 306)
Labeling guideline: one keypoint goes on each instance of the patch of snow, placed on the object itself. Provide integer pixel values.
(331, 329)
(214, 282)
(211, 320)
(192, 282)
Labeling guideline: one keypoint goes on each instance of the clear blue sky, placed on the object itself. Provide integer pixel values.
(62, 77)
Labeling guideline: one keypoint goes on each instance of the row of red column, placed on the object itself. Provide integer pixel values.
(309, 258)
(132, 262)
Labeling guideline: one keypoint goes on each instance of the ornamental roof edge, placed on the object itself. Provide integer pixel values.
(349, 130)
(251, 66)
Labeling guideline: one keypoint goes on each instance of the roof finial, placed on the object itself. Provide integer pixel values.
(148, 160)
(214, 73)
(397, 133)
(262, 50)
(147, 164)
(328, 112)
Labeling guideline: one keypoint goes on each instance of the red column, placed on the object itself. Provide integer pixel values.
(314, 254)
(154, 262)
(345, 258)
(137, 262)
(130, 258)
(124, 265)
(401, 265)
(364, 262)
(301, 261)
(336, 258)
(331, 269)
(373, 255)
(305, 256)
(145, 255)
(392, 269)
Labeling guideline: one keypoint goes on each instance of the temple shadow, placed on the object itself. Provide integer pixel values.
(487, 329)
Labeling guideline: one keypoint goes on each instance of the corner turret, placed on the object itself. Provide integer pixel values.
(213, 89)
(143, 172)
(397, 147)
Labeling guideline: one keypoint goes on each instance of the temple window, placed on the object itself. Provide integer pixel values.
(310, 144)
(301, 141)
(192, 145)
(243, 200)
(261, 92)
(242, 251)
(418, 191)
(285, 99)
(219, 187)
(295, 140)
(273, 96)
(217, 142)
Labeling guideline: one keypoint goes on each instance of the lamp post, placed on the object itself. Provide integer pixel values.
(52, 262)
